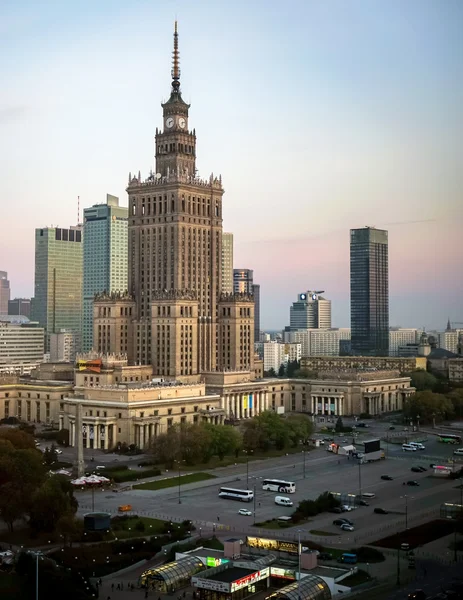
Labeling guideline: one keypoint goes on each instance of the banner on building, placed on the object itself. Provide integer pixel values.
(245, 401)
(93, 366)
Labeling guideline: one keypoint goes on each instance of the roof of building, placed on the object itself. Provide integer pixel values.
(441, 353)
(231, 574)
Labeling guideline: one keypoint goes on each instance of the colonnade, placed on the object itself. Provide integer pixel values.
(95, 435)
(144, 432)
(245, 405)
(327, 405)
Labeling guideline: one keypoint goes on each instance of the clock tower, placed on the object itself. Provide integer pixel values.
(175, 145)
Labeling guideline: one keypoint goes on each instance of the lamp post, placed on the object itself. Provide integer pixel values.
(247, 452)
(398, 564)
(458, 519)
(179, 462)
(254, 505)
(418, 422)
(299, 565)
(405, 497)
(360, 477)
(303, 464)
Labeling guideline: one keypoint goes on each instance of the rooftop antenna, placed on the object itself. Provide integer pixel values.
(78, 209)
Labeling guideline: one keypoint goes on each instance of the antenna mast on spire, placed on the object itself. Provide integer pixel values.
(78, 210)
(175, 62)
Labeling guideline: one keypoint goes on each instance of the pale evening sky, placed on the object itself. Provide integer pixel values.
(321, 115)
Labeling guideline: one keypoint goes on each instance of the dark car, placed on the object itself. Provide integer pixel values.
(325, 556)
(432, 465)
(416, 469)
(411, 483)
(422, 469)
(381, 511)
(342, 521)
(337, 509)
(417, 595)
(386, 477)
(361, 424)
(391, 428)
(362, 502)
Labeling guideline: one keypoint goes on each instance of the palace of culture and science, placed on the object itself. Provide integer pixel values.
(174, 348)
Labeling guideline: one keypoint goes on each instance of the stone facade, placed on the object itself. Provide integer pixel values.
(340, 363)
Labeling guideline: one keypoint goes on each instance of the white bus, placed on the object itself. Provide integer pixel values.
(278, 485)
(235, 494)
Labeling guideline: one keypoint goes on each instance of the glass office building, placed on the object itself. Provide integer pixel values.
(57, 301)
(369, 292)
(105, 257)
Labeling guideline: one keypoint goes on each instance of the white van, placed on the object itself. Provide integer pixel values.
(409, 448)
(283, 501)
(369, 495)
(418, 445)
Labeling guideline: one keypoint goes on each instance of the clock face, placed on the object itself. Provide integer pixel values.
(182, 123)
(170, 122)
(302, 296)
(314, 296)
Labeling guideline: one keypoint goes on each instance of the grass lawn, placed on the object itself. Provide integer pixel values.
(212, 543)
(128, 527)
(418, 536)
(356, 579)
(23, 537)
(271, 524)
(161, 484)
(322, 533)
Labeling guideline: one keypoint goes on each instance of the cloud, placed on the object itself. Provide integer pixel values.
(12, 113)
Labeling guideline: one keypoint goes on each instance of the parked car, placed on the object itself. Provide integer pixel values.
(411, 483)
(422, 469)
(391, 428)
(386, 478)
(245, 512)
(381, 511)
(417, 595)
(325, 556)
(458, 452)
(346, 508)
(340, 522)
(347, 527)
(362, 502)
(337, 510)
(416, 469)
(58, 451)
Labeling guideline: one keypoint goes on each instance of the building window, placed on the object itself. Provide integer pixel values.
(170, 422)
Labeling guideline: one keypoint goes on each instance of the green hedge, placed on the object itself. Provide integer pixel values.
(128, 475)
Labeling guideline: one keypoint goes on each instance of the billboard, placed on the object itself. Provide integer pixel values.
(268, 544)
(372, 446)
(92, 366)
(211, 561)
(249, 579)
(282, 573)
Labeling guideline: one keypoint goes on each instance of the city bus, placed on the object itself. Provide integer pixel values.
(450, 439)
(236, 494)
(279, 485)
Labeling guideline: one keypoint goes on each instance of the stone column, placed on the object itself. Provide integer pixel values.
(80, 463)
(106, 437)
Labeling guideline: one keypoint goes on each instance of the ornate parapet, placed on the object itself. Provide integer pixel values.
(153, 180)
(236, 297)
(113, 296)
(166, 295)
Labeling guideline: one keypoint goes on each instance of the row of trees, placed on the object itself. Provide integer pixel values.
(291, 369)
(26, 490)
(194, 443)
(429, 406)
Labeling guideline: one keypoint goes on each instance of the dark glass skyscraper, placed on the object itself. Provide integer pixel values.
(369, 292)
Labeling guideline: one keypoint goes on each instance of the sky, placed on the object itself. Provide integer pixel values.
(321, 116)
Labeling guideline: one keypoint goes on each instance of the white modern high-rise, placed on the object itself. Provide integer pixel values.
(448, 339)
(310, 311)
(63, 346)
(227, 263)
(105, 257)
(4, 292)
(21, 344)
(399, 336)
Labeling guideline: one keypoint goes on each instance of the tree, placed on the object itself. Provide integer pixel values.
(428, 406)
(300, 427)
(422, 380)
(53, 454)
(339, 425)
(224, 439)
(69, 528)
(19, 439)
(292, 367)
(165, 447)
(51, 502)
(270, 373)
(282, 371)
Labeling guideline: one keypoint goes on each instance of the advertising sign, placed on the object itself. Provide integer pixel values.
(249, 579)
(210, 584)
(211, 561)
(94, 366)
(278, 545)
(282, 573)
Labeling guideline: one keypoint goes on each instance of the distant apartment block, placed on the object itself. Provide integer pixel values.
(399, 336)
(276, 354)
(319, 342)
(105, 257)
(20, 306)
(448, 339)
(256, 294)
(243, 281)
(4, 292)
(227, 263)
(21, 346)
(63, 347)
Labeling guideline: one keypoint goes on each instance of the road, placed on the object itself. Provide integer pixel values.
(323, 471)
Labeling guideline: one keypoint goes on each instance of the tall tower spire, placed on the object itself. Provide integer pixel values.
(175, 62)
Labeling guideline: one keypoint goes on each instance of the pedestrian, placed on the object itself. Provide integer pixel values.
(146, 593)
(122, 585)
(112, 587)
(108, 598)
(218, 519)
(184, 594)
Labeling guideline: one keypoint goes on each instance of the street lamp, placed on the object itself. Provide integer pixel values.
(247, 452)
(360, 477)
(254, 505)
(179, 462)
(299, 565)
(418, 422)
(405, 497)
(303, 463)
